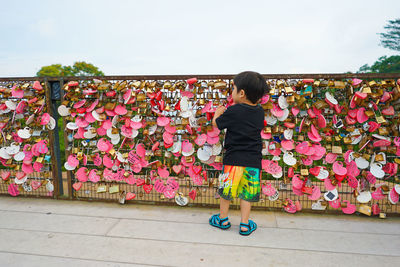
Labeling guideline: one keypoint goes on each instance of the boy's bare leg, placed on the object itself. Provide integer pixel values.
(224, 208)
(245, 208)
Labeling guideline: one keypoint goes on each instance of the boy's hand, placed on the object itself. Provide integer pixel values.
(219, 111)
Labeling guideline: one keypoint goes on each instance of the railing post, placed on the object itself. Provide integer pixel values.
(54, 144)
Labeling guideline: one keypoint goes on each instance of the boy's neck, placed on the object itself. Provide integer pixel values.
(247, 102)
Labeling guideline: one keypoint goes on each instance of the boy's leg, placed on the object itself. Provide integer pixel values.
(245, 207)
(224, 208)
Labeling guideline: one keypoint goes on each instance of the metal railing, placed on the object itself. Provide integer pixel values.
(206, 193)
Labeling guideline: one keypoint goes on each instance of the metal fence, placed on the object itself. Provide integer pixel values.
(140, 186)
(30, 167)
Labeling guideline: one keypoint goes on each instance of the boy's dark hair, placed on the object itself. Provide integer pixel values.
(253, 84)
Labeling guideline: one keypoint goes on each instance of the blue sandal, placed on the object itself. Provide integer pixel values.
(216, 221)
(252, 226)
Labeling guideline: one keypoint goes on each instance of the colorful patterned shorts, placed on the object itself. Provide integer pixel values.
(241, 182)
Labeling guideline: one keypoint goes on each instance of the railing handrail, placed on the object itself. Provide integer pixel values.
(211, 76)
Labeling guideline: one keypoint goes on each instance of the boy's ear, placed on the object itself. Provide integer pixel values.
(242, 93)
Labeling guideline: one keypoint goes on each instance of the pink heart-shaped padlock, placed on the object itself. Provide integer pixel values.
(130, 196)
(93, 176)
(163, 172)
(192, 194)
(35, 184)
(201, 139)
(186, 146)
(295, 111)
(5, 174)
(13, 190)
(77, 186)
(163, 121)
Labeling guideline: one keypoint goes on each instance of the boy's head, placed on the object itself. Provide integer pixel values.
(253, 85)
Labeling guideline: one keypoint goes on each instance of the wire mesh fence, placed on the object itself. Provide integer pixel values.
(27, 139)
(300, 91)
(143, 164)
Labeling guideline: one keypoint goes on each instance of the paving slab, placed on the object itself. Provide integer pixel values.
(43, 232)
(339, 223)
(55, 223)
(22, 260)
(115, 210)
(168, 253)
(313, 240)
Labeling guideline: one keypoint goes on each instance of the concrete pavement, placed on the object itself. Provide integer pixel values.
(41, 232)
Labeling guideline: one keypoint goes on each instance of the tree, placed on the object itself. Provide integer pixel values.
(391, 39)
(383, 65)
(50, 71)
(80, 68)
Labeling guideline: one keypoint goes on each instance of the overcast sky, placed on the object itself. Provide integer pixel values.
(193, 37)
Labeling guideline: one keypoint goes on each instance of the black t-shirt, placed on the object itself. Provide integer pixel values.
(243, 136)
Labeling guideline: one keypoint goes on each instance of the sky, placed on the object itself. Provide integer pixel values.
(193, 37)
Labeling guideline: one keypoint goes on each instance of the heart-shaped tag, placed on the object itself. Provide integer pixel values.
(130, 196)
(163, 121)
(97, 160)
(5, 175)
(35, 184)
(201, 139)
(196, 169)
(172, 184)
(295, 111)
(177, 168)
(268, 189)
(187, 146)
(81, 174)
(159, 186)
(192, 194)
(140, 150)
(147, 188)
(316, 193)
(77, 186)
(13, 190)
(93, 176)
(42, 147)
(163, 172)
(73, 161)
(169, 194)
(140, 181)
(37, 166)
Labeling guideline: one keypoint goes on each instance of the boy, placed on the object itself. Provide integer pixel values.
(242, 160)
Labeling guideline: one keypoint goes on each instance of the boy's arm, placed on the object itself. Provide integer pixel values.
(218, 112)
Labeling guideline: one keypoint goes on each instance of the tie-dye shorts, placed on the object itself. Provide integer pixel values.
(241, 182)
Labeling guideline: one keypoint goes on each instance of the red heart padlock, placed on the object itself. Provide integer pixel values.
(130, 196)
(77, 186)
(307, 190)
(158, 95)
(151, 95)
(153, 103)
(205, 175)
(196, 169)
(35, 184)
(192, 194)
(140, 181)
(290, 172)
(178, 105)
(161, 105)
(147, 188)
(209, 115)
(13, 190)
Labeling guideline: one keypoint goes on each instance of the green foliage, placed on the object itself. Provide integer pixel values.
(383, 65)
(79, 68)
(391, 39)
(50, 71)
